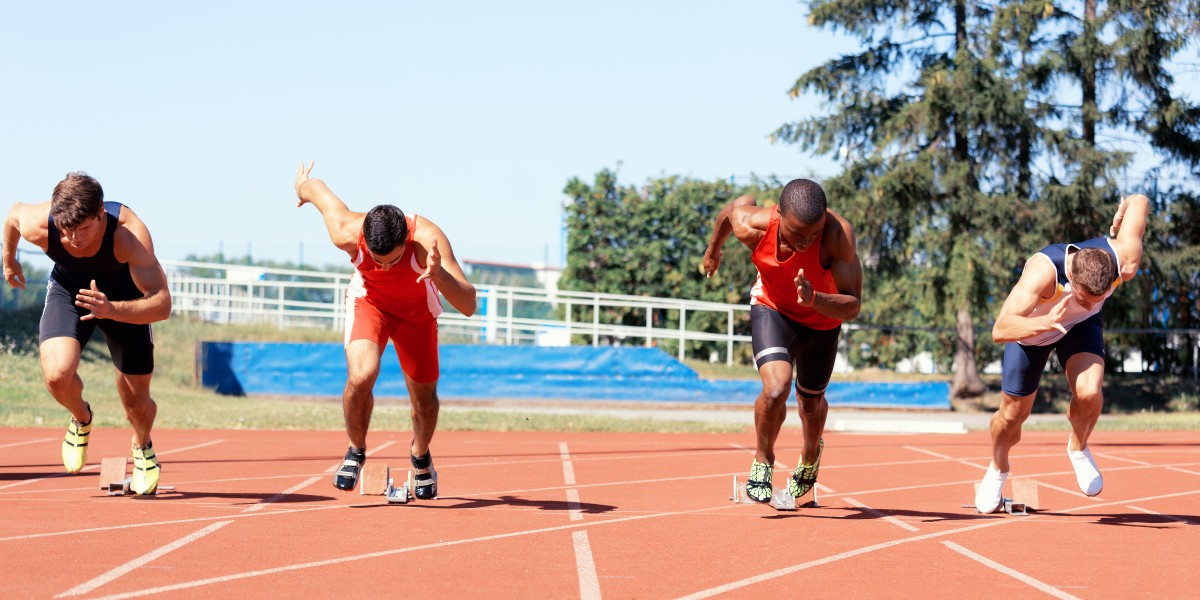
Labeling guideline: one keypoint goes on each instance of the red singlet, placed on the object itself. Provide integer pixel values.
(391, 304)
(776, 285)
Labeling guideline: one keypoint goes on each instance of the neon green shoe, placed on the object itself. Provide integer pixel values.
(805, 476)
(74, 446)
(758, 484)
(145, 471)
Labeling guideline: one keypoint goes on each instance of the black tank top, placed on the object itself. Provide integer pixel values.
(75, 273)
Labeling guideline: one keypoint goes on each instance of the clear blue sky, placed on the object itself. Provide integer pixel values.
(474, 114)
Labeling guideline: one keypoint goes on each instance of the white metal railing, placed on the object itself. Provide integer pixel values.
(505, 315)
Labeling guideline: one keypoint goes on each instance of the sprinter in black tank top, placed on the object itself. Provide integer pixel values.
(105, 275)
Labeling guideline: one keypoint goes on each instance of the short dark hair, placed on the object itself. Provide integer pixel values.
(803, 199)
(77, 198)
(1093, 270)
(384, 228)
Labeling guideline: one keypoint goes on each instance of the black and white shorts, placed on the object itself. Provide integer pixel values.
(812, 351)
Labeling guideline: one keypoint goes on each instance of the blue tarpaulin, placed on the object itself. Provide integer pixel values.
(482, 372)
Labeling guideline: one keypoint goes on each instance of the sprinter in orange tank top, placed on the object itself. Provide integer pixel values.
(809, 282)
(401, 263)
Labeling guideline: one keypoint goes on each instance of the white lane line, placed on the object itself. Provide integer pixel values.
(143, 560)
(27, 442)
(596, 523)
(929, 452)
(1019, 576)
(589, 583)
(881, 515)
(962, 461)
(728, 587)
(30, 536)
(1177, 469)
(573, 507)
(295, 488)
(97, 465)
(1120, 458)
(1168, 517)
(778, 465)
(568, 469)
(281, 495)
(1075, 492)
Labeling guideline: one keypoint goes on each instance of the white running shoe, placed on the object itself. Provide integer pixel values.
(990, 493)
(1087, 474)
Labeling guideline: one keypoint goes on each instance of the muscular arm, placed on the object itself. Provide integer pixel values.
(134, 246)
(27, 221)
(842, 250)
(734, 218)
(1129, 226)
(343, 224)
(1014, 323)
(445, 271)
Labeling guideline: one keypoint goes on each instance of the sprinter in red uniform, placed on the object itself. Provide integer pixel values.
(401, 263)
(809, 281)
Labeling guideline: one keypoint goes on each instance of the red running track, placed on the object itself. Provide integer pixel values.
(561, 515)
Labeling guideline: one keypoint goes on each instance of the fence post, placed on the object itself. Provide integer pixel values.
(280, 308)
(649, 325)
(568, 317)
(729, 343)
(595, 320)
(508, 325)
(682, 329)
(1196, 357)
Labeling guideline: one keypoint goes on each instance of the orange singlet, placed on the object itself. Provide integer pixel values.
(776, 285)
(392, 304)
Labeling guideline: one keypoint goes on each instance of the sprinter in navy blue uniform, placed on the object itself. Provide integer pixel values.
(1056, 306)
(105, 275)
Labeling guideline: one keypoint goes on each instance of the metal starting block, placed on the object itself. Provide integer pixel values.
(781, 500)
(377, 481)
(1024, 499)
(115, 480)
(121, 488)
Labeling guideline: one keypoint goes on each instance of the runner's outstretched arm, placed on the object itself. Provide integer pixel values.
(735, 218)
(1129, 227)
(342, 223)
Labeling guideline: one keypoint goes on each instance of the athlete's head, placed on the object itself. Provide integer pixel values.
(1093, 272)
(77, 207)
(802, 213)
(385, 231)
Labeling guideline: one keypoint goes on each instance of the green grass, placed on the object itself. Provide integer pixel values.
(182, 403)
(1147, 421)
(1143, 402)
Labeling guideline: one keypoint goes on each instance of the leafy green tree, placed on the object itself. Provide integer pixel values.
(650, 241)
(920, 116)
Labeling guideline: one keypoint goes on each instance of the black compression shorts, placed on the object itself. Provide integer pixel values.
(131, 346)
(812, 351)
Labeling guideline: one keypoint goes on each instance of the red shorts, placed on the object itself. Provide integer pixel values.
(415, 341)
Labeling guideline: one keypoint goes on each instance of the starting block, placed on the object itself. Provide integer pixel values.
(113, 470)
(1023, 501)
(377, 481)
(781, 500)
(115, 480)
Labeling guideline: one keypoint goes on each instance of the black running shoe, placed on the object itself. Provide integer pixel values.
(347, 476)
(425, 483)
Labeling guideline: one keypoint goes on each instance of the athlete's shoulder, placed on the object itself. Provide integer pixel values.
(839, 232)
(751, 219)
(31, 220)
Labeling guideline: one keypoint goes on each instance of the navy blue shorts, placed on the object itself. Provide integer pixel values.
(1023, 365)
(812, 351)
(131, 346)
